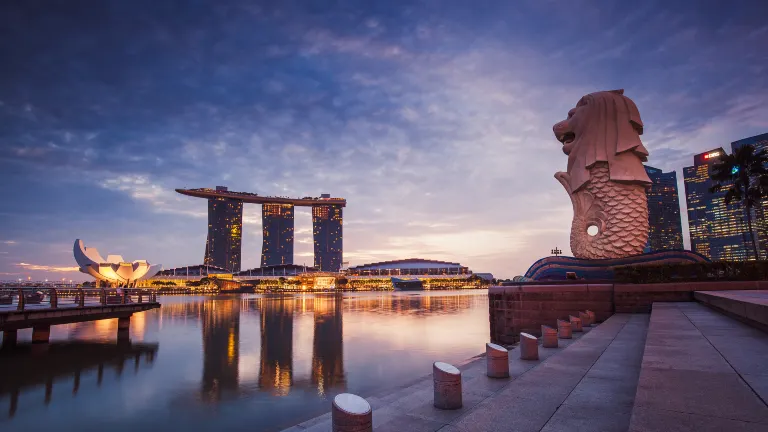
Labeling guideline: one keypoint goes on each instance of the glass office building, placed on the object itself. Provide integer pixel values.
(277, 226)
(225, 230)
(327, 232)
(665, 229)
(718, 231)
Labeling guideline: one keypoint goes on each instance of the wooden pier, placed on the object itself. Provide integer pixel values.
(40, 308)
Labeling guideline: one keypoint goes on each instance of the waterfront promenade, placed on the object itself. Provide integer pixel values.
(684, 367)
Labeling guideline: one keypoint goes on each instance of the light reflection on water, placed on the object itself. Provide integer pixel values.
(248, 362)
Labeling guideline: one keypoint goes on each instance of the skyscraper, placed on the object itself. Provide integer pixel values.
(759, 222)
(277, 245)
(665, 227)
(225, 230)
(327, 231)
(718, 231)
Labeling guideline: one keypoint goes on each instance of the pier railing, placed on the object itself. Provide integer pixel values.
(34, 298)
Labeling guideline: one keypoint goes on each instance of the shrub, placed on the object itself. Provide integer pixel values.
(693, 272)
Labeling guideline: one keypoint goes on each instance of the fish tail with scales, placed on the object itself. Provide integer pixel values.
(618, 210)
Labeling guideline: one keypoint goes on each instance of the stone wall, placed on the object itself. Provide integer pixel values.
(525, 307)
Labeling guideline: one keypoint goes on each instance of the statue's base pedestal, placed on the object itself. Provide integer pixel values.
(555, 268)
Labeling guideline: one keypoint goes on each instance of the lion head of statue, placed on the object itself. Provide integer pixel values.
(603, 127)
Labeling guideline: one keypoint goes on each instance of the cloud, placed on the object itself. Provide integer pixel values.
(10, 242)
(433, 121)
(47, 268)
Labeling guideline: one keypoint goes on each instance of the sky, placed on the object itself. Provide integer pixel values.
(432, 118)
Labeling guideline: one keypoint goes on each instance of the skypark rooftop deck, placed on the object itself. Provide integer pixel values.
(261, 199)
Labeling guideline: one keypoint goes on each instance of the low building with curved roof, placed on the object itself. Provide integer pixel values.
(409, 266)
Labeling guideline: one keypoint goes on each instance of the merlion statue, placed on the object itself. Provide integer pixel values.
(606, 179)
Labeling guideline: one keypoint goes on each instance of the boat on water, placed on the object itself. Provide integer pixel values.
(35, 298)
(6, 299)
(407, 284)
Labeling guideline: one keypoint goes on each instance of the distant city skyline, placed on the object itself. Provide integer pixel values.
(434, 121)
(718, 230)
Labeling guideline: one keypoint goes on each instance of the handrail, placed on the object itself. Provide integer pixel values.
(36, 298)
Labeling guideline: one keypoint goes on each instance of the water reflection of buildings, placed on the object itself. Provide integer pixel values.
(275, 373)
(220, 319)
(221, 336)
(327, 346)
(23, 369)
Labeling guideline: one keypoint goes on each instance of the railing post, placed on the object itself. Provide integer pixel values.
(140, 295)
(122, 298)
(81, 294)
(20, 306)
(54, 298)
(103, 296)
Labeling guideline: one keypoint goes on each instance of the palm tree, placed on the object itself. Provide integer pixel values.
(743, 173)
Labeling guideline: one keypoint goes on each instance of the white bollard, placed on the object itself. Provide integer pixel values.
(447, 382)
(529, 347)
(497, 361)
(564, 329)
(575, 324)
(548, 337)
(351, 413)
(585, 319)
(592, 321)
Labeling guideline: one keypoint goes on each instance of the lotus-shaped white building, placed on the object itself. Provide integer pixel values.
(114, 270)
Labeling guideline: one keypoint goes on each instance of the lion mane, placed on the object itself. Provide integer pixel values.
(605, 127)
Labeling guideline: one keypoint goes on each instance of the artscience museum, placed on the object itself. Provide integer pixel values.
(113, 270)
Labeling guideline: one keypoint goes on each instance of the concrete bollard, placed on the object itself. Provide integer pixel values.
(447, 382)
(351, 413)
(548, 337)
(576, 324)
(564, 329)
(497, 361)
(529, 347)
(592, 321)
(585, 320)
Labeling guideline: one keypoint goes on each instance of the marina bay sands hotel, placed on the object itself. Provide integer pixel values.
(225, 227)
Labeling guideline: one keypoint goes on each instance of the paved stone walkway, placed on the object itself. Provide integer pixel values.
(588, 384)
(701, 371)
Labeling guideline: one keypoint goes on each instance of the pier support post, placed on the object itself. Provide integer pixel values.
(76, 383)
(447, 386)
(14, 402)
(497, 361)
(48, 390)
(529, 347)
(41, 334)
(548, 337)
(9, 338)
(123, 328)
(564, 330)
(576, 324)
(351, 413)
